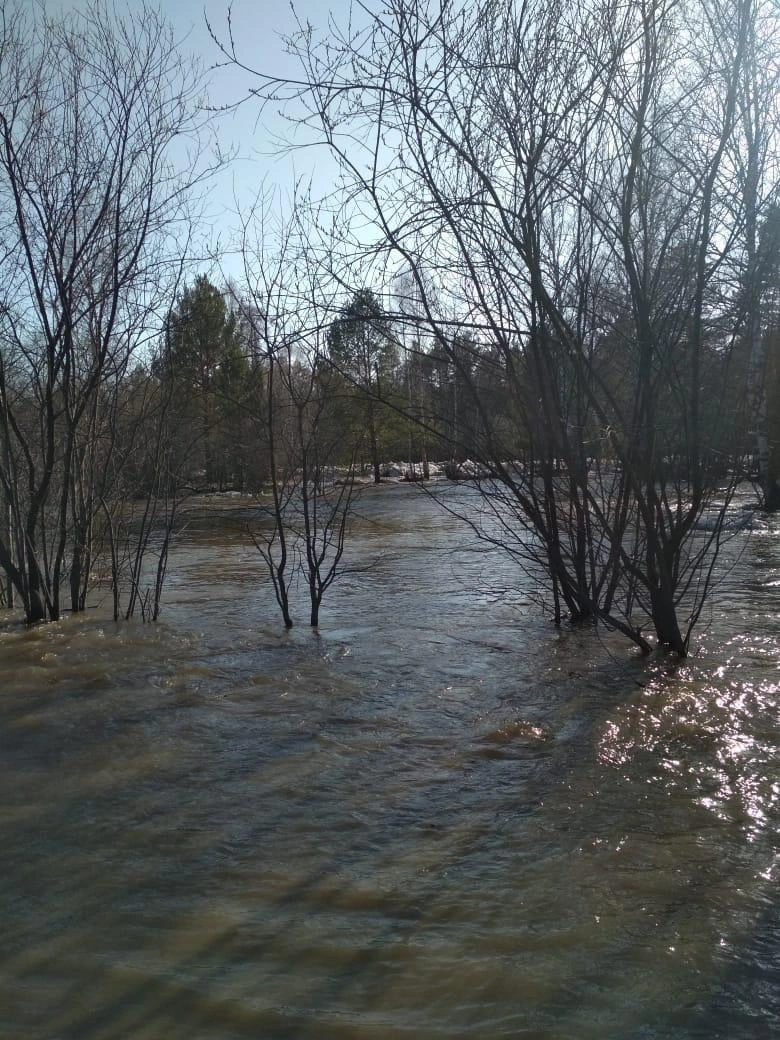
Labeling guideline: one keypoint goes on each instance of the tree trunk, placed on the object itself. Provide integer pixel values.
(75, 576)
(36, 607)
(766, 415)
(372, 440)
(665, 621)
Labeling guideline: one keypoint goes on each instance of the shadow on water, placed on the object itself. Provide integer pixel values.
(435, 818)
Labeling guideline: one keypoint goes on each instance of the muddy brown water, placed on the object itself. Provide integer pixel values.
(437, 817)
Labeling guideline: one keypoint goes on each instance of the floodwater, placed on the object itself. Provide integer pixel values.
(437, 817)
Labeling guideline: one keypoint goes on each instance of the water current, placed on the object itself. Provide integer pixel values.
(436, 817)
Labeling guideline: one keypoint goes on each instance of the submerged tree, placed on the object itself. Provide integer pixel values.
(559, 180)
(141, 490)
(90, 107)
(310, 503)
(299, 418)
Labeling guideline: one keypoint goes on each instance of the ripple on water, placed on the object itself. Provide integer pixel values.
(437, 817)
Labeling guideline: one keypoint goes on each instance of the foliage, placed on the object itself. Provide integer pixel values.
(205, 361)
(361, 348)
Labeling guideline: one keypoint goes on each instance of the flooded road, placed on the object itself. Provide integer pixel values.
(437, 817)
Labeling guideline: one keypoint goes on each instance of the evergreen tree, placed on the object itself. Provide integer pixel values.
(205, 357)
(360, 346)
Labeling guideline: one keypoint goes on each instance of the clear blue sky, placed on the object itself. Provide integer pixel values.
(258, 28)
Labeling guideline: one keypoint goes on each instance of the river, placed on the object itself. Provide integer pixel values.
(436, 817)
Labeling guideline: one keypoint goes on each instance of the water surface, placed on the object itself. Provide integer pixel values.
(437, 817)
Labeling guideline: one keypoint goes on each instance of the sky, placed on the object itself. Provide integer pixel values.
(258, 28)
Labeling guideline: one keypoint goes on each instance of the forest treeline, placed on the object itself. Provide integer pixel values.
(553, 269)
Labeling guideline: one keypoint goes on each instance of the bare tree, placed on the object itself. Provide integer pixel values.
(297, 419)
(560, 173)
(91, 107)
(141, 491)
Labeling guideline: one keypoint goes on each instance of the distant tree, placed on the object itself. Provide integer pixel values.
(753, 154)
(205, 358)
(361, 346)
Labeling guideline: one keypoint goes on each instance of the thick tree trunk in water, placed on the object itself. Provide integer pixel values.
(75, 578)
(763, 378)
(372, 440)
(281, 593)
(36, 608)
(7, 565)
(770, 439)
(665, 621)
